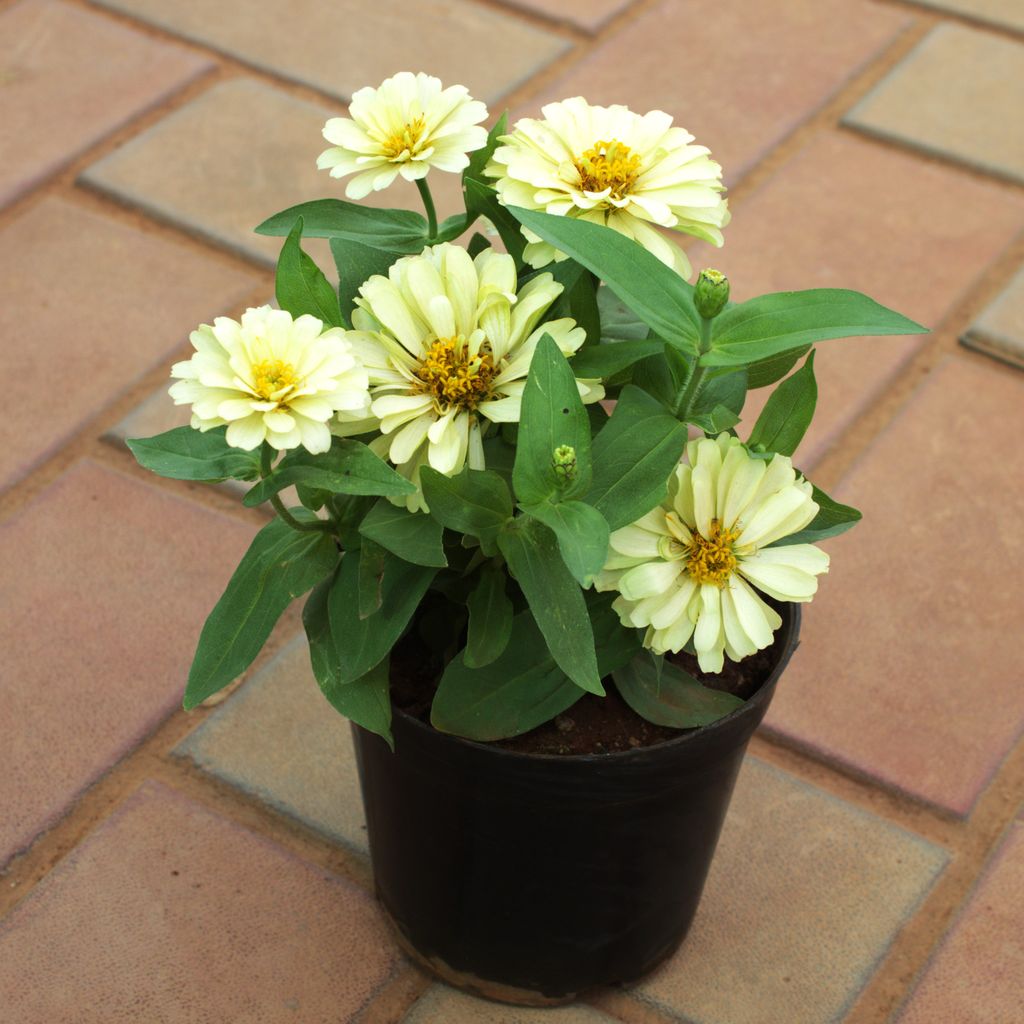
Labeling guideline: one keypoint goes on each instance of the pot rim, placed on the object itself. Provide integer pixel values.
(791, 634)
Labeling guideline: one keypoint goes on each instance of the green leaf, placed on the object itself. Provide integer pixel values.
(655, 292)
(414, 536)
(616, 644)
(187, 454)
(372, 559)
(832, 519)
(490, 618)
(727, 388)
(633, 457)
(477, 244)
(348, 468)
(672, 697)
(366, 700)
(582, 534)
(452, 227)
(612, 357)
(362, 642)
(301, 286)
(482, 201)
(768, 371)
(401, 231)
(788, 412)
(720, 418)
(515, 693)
(772, 324)
(552, 415)
(280, 565)
(554, 598)
(480, 158)
(476, 502)
(617, 319)
(357, 262)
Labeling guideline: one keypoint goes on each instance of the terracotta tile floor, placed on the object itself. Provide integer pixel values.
(158, 866)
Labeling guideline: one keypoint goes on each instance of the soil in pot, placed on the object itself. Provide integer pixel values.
(593, 725)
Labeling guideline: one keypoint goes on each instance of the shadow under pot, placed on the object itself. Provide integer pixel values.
(531, 878)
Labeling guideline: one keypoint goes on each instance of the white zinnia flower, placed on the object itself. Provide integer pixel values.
(271, 378)
(447, 341)
(611, 166)
(686, 568)
(405, 126)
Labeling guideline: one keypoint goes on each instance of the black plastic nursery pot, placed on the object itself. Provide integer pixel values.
(531, 878)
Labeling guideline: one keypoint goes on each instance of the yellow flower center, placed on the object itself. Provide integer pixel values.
(609, 165)
(453, 377)
(404, 140)
(272, 376)
(710, 560)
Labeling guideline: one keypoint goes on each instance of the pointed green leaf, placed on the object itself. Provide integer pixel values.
(366, 700)
(555, 599)
(655, 292)
(490, 618)
(612, 357)
(582, 534)
(348, 468)
(552, 416)
(633, 457)
(187, 454)
(362, 642)
(414, 536)
(301, 286)
(482, 200)
(372, 560)
(618, 321)
(475, 502)
(480, 158)
(788, 412)
(772, 324)
(401, 231)
(280, 565)
(672, 697)
(774, 368)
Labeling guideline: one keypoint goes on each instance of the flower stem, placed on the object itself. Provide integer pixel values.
(684, 402)
(428, 205)
(320, 526)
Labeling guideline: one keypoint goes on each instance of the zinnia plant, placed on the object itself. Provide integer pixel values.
(439, 413)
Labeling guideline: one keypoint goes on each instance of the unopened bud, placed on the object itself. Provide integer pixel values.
(563, 460)
(711, 293)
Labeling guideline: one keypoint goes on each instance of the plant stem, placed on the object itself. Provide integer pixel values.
(685, 401)
(428, 205)
(266, 460)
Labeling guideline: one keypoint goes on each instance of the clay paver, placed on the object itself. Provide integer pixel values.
(804, 896)
(949, 97)
(1001, 13)
(906, 671)
(90, 669)
(999, 330)
(848, 213)
(443, 1005)
(346, 44)
(171, 913)
(178, 170)
(98, 304)
(740, 77)
(54, 104)
(589, 15)
(279, 740)
(977, 976)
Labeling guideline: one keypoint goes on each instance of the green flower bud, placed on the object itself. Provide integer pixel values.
(711, 293)
(563, 460)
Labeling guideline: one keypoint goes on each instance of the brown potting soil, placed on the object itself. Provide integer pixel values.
(593, 725)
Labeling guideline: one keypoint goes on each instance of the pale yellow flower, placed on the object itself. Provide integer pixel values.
(634, 173)
(689, 567)
(271, 378)
(405, 126)
(448, 341)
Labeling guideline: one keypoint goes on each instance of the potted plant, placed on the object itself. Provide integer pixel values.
(550, 576)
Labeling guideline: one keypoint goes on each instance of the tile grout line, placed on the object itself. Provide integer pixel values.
(953, 17)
